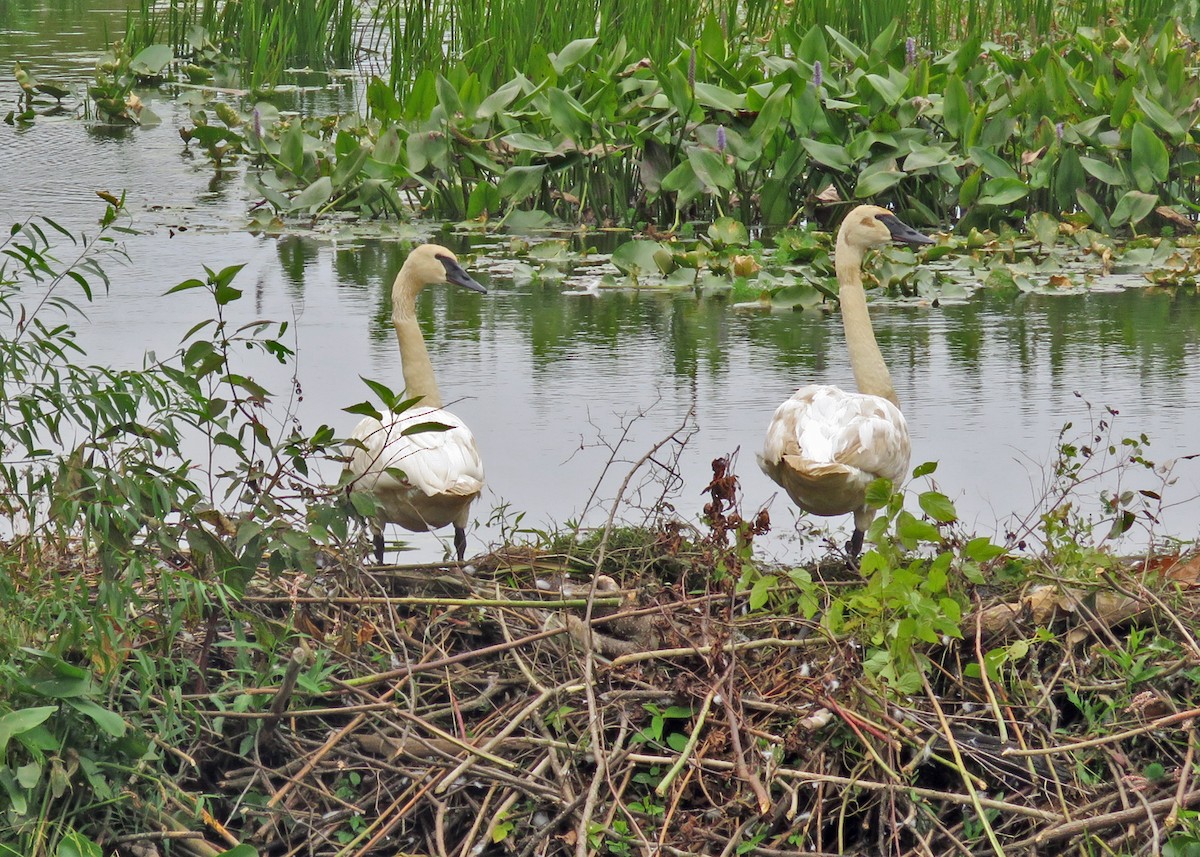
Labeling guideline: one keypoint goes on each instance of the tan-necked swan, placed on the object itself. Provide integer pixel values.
(824, 445)
(442, 470)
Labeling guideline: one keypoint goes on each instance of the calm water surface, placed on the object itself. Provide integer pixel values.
(551, 383)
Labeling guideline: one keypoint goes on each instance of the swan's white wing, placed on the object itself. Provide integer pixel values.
(825, 446)
(433, 462)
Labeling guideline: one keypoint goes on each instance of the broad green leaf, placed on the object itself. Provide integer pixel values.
(1002, 191)
(637, 258)
(887, 90)
(151, 60)
(20, 721)
(718, 98)
(981, 549)
(937, 506)
(315, 195)
(956, 107)
(387, 147)
(1151, 161)
(1093, 210)
(760, 591)
(728, 231)
(1105, 172)
(529, 143)
(874, 182)
(1132, 208)
(711, 168)
(572, 54)
(518, 183)
(108, 721)
(501, 98)
(1159, 117)
(770, 115)
(828, 154)
(922, 157)
(992, 164)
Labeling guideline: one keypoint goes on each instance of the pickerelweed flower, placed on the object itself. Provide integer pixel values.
(910, 51)
(1058, 131)
(721, 141)
(692, 70)
(817, 76)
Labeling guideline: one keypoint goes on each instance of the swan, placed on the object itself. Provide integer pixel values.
(427, 479)
(825, 445)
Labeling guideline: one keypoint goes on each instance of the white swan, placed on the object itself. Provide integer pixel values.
(427, 479)
(824, 445)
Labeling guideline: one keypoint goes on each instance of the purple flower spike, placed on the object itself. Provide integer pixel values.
(910, 50)
(692, 70)
(721, 141)
(818, 78)
(1058, 131)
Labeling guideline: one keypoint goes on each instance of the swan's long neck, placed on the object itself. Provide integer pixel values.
(414, 357)
(870, 372)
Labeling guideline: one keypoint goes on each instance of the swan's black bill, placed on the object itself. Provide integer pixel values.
(901, 231)
(455, 274)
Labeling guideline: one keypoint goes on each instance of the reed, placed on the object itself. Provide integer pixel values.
(267, 36)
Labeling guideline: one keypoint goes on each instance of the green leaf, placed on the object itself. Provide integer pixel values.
(291, 148)
(912, 530)
(572, 54)
(956, 107)
(419, 428)
(108, 721)
(711, 169)
(1002, 191)
(992, 164)
(828, 154)
(21, 721)
(151, 60)
(718, 98)
(937, 506)
(75, 844)
(981, 549)
(387, 147)
(1106, 173)
(873, 182)
(760, 591)
(314, 196)
(878, 493)
(518, 183)
(887, 90)
(770, 115)
(637, 258)
(1133, 207)
(924, 469)
(1151, 161)
(529, 143)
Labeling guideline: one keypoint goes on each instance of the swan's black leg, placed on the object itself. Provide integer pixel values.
(854, 548)
(460, 541)
(379, 548)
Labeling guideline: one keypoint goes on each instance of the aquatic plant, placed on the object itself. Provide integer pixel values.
(983, 135)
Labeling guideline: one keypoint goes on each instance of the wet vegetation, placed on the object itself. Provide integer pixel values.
(195, 661)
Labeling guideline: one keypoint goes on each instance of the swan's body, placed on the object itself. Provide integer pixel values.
(427, 479)
(824, 445)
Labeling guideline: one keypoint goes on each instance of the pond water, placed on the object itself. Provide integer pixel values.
(551, 383)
